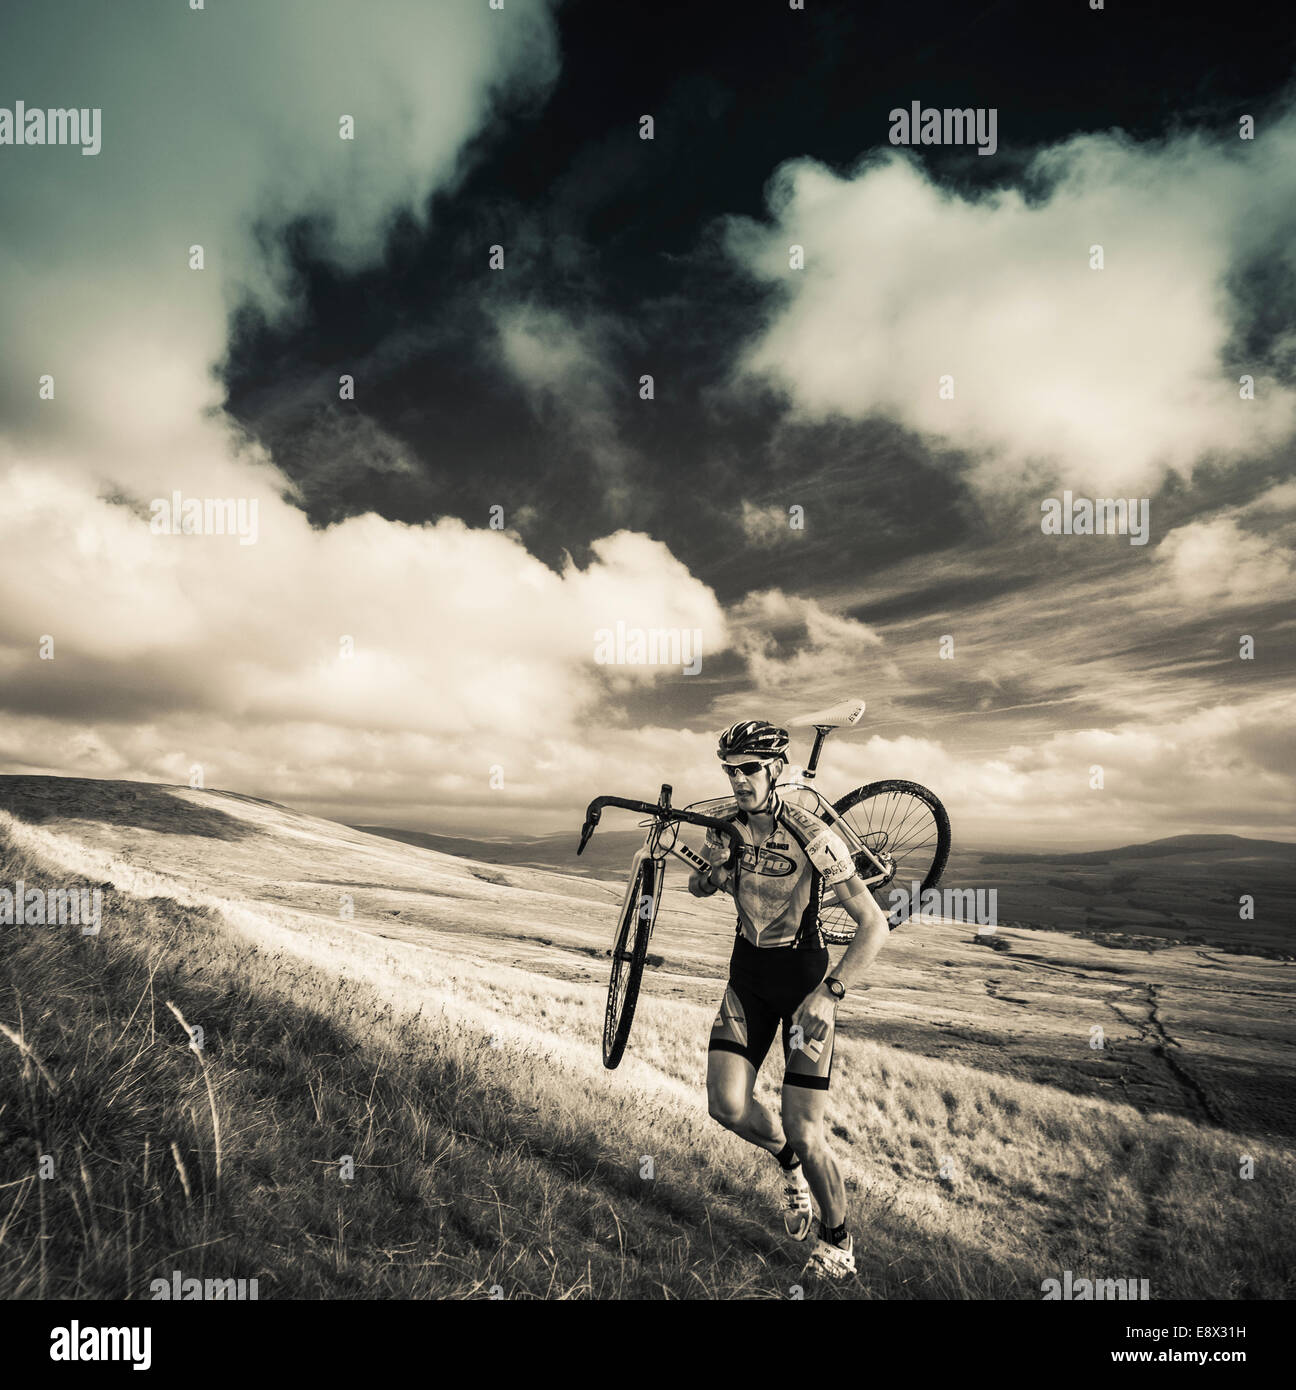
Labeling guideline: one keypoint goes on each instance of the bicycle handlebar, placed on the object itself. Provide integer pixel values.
(662, 811)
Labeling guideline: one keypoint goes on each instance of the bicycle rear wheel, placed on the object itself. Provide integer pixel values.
(907, 829)
(629, 951)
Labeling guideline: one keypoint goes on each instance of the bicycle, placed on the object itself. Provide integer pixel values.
(881, 852)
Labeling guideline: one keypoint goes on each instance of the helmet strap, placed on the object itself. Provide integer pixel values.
(766, 808)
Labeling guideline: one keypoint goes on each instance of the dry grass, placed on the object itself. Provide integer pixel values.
(520, 1166)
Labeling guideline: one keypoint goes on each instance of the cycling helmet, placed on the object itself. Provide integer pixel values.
(755, 737)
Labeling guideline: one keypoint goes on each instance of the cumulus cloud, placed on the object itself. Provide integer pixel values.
(1229, 765)
(1100, 379)
(364, 657)
(468, 693)
(1217, 561)
(798, 651)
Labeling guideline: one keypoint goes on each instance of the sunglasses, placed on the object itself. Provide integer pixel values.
(747, 769)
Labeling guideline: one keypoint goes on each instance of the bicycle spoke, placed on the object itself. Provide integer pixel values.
(918, 810)
(905, 829)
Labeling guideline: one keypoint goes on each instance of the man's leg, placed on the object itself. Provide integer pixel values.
(803, 1117)
(730, 1082)
(741, 1032)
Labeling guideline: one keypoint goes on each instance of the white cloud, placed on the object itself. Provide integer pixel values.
(468, 652)
(797, 651)
(1101, 379)
(1230, 766)
(1217, 561)
(471, 655)
(453, 628)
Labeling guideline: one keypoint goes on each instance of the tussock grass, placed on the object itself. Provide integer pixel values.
(522, 1166)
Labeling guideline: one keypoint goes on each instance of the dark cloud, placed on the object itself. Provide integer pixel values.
(104, 690)
(599, 226)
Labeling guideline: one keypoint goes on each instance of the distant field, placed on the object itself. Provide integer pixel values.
(1186, 889)
(437, 1019)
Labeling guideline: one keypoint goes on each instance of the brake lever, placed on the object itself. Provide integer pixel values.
(591, 821)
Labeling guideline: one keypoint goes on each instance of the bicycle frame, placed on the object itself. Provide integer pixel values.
(665, 815)
(828, 812)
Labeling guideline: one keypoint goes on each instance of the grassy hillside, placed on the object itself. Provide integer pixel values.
(490, 1146)
(606, 856)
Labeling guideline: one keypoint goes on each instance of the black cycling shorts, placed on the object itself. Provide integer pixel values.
(766, 987)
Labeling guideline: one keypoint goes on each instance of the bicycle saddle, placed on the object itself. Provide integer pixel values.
(834, 717)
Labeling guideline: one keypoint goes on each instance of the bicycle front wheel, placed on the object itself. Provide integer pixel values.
(906, 828)
(629, 951)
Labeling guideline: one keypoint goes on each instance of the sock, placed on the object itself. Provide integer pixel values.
(833, 1235)
(787, 1159)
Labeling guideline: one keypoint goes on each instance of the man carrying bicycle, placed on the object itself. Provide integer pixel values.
(777, 977)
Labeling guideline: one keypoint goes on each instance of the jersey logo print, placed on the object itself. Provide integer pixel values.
(766, 863)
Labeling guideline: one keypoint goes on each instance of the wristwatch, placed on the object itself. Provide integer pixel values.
(836, 988)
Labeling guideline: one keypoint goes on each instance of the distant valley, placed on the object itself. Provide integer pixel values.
(1184, 890)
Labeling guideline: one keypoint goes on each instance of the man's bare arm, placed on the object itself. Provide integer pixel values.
(703, 885)
(819, 1008)
(871, 935)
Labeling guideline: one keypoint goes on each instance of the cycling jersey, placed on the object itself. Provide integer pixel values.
(778, 884)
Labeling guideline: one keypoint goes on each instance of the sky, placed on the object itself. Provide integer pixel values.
(871, 364)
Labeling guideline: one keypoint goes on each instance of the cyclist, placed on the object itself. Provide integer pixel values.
(777, 976)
